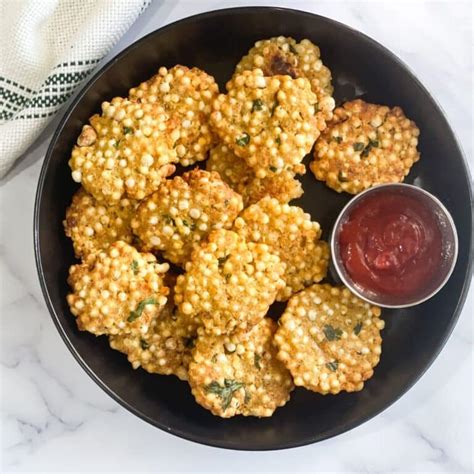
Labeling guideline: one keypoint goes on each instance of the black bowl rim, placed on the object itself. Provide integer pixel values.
(56, 319)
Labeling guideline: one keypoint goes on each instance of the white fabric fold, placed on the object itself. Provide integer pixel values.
(48, 48)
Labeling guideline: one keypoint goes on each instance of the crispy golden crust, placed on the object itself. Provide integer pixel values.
(165, 348)
(329, 339)
(240, 177)
(117, 291)
(365, 145)
(229, 284)
(270, 122)
(289, 233)
(240, 375)
(125, 152)
(93, 226)
(284, 56)
(182, 213)
(186, 94)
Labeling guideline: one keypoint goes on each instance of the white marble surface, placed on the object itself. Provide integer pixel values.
(54, 418)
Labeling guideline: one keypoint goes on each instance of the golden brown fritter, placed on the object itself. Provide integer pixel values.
(329, 339)
(229, 283)
(240, 177)
(285, 56)
(117, 291)
(93, 226)
(365, 145)
(270, 122)
(240, 374)
(289, 233)
(125, 152)
(165, 348)
(182, 213)
(186, 94)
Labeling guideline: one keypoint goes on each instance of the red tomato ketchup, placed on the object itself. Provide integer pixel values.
(391, 244)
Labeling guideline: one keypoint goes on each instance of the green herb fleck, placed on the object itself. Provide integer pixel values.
(274, 106)
(141, 306)
(337, 139)
(273, 168)
(341, 177)
(214, 358)
(227, 276)
(189, 342)
(358, 146)
(116, 144)
(144, 344)
(293, 49)
(357, 328)
(192, 226)
(243, 140)
(372, 144)
(256, 361)
(257, 105)
(127, 130)
(331, 333)
(278, 140)
(222, 260)
(316, 108)
(134, 267)
(332, 365)
(168, 219)
(226, 392)
(247, 396)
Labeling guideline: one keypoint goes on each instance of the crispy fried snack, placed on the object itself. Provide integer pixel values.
(93, 226)
(117, 291)
(166, 347)
(182, 213)
(270, 122)
(186, 95)
(229, 283)
(240, 374)
(125, 152)
(289, 233)
(240, 177)
(365, 145)
(329, 339)
(284, 56)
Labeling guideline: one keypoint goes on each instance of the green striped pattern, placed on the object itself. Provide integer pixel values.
(20, 102)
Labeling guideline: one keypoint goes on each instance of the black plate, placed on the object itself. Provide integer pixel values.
(361, 67)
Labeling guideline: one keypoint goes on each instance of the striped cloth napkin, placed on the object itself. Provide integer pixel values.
(48, 48)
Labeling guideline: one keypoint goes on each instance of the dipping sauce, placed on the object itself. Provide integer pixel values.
(391, 244)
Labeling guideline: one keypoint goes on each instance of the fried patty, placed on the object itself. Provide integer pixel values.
(93, 226)
(285, 56)
(329, 339)
(229, 283)
(126, 151)
(117, 291)
(240, 374)
(182, 213)
(365, 145)
(239, 176)
(289, 233)
(186, 94)
(270, 122)
(166, 347)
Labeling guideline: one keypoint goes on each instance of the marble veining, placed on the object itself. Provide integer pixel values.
(54, 417)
